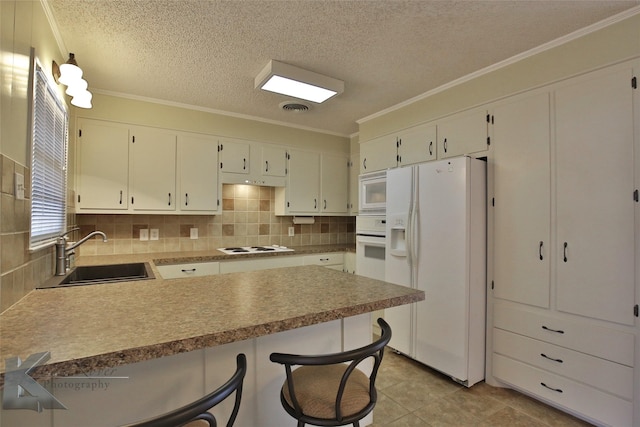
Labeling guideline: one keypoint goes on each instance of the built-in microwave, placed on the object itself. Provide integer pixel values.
(373, 193)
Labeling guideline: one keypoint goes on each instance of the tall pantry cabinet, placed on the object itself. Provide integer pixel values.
(563, 281)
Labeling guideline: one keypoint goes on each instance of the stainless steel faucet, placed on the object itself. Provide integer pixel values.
(63, 251)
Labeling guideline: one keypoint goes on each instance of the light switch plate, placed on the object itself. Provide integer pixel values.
(144, 234)
(193, 233)
(292, 231)
(18, 179)
(154, 234)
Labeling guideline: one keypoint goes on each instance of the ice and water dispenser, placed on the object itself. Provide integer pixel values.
(398, 238)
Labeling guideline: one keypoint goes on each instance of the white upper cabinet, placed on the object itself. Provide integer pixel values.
(378, 154)
(354, 184)
(198, 173)
(317, 184)
(417, 145)
(595, 208)
(234, 156)
(103, 166)
(274, 161)
(153, 169)
(252, 163)
(334, 184)
(522, 198)
(303, 185)
(463, 133)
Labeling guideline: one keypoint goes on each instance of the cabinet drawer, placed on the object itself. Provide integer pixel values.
(606, 343)
(262, 263)
(608, 376)
(570, 395)
(188, 270)
(324, 259)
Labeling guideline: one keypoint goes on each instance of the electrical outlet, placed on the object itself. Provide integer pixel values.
(144, 234)
(193, 233)
(292, 231)
(154, 234)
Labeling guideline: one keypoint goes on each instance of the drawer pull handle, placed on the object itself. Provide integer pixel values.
(551, 358)
(192, 270)
(557, 331)
(324, 259)
(551, 388)
(565, 259)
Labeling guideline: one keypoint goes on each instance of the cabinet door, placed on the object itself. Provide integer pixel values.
(153, 169)
(417, 145)
(103, 165)
(595, 208)
(198, 166)
(522, 208)
(304, 182)
(354, 185)
(378, 154)
(234, 156)
(334, 184)
(462, 133)
(274, 161)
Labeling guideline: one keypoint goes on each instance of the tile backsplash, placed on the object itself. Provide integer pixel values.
(21, 270)
(247, 219)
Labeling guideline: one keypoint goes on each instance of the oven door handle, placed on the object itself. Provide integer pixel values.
(371, 240)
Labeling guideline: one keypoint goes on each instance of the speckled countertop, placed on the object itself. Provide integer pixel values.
(92, 327)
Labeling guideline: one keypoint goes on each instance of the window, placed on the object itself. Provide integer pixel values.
(48, 162)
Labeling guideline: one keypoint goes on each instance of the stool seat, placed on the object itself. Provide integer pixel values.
(316, 389)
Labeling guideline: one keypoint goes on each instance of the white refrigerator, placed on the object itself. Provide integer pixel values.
(436, 242)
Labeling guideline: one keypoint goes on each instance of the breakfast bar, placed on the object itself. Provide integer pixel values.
(168, 341)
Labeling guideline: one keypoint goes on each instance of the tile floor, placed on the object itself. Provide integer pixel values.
(411, 394)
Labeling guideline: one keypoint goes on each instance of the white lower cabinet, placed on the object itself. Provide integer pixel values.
(176, 271)
(153, 387)
(571, 395)
(334, 260)
(259, 264)
(585, 369)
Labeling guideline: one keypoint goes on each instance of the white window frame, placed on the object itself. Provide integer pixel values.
(49, 145)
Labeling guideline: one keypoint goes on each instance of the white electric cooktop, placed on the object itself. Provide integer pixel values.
(254, 249)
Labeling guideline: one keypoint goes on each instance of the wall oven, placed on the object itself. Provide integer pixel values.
(373, 193)
(370, 246)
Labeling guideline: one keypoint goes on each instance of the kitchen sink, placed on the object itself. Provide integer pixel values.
(96, 274)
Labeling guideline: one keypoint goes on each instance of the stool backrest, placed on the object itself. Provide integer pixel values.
(353, 358)
(198, 410)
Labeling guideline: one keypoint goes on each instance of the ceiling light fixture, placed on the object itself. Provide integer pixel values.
(288, 80)
(70, 75)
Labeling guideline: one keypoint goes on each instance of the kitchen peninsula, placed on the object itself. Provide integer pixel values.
(166, 335)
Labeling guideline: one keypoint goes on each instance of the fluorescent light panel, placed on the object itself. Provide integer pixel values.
(292, 81)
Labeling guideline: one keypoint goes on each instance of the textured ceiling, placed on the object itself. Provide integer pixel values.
(207, 53)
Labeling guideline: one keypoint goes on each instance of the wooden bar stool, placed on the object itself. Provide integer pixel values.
(196, 414)
(330, 390)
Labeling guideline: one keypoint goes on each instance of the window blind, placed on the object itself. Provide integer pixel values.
(48, 163)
